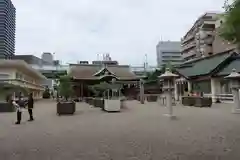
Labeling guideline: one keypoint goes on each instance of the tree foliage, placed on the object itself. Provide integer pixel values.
(65, 87)
(230, 28)
(153, 76)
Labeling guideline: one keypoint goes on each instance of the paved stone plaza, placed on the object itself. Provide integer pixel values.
(140, 132)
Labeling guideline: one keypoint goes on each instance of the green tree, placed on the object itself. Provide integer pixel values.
(230, 28)
(170, 67)
(65, 87)
(163, 68)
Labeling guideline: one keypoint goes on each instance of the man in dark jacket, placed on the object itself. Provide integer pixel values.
(30, 106)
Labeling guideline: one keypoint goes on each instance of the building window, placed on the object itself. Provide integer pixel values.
(19, 75)
(4, 76)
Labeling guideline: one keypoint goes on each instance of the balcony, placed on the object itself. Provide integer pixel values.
(208, 25)
(23, 83)
(207, 50)
(188, 46)
(190, 55)
(188, 38)
(204, 34)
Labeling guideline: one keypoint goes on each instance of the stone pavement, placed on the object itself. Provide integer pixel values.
(140, 132)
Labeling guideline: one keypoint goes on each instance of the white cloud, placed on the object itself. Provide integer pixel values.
(127, 29)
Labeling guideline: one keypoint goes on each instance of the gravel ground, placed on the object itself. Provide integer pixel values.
(140, 132)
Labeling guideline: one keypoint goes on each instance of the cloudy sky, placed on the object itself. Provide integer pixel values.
(127, 29)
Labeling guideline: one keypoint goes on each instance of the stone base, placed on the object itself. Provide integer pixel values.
(170, 116)
(112, 105)
(236, 111)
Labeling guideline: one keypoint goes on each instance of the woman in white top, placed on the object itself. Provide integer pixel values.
(19, 104)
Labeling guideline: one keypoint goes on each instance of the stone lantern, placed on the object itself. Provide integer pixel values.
(234, 78)
(168, 88)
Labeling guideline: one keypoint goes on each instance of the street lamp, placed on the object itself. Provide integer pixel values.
(234, 78)
(168, 87)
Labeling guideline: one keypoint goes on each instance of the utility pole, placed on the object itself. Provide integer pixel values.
(145, 64)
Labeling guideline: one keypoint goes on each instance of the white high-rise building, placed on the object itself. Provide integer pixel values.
(169, 52)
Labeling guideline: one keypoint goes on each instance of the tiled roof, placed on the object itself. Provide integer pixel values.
(235, 64)
(202, 66)
(88, 71)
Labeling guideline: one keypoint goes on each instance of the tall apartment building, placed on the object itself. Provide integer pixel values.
(169, 52)
(7, 29)
(199, 39)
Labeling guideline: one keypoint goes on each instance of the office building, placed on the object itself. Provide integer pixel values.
(7, 29)
(169, 52)
(31, 59)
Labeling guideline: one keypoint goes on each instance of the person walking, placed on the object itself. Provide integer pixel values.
(19, 104)
(30, 106)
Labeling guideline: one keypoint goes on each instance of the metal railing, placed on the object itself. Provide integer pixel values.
(221, 97)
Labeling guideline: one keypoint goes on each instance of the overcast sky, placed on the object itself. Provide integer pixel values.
(127, 29)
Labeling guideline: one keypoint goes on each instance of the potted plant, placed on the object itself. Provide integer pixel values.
(203, 102)
(46, 93)
(152, 98)
(66, 105)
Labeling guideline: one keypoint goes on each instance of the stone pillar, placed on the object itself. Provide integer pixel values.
(235, 92)
(189, 84)
(176, 95)
(142, 92)
(169, 102)
(215, 89)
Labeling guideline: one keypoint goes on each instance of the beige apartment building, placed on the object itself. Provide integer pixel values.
(199, 39)
(21, 75)
(203, 38)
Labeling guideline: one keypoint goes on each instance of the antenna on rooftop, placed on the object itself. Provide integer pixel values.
(98, 57)
(145, 64)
